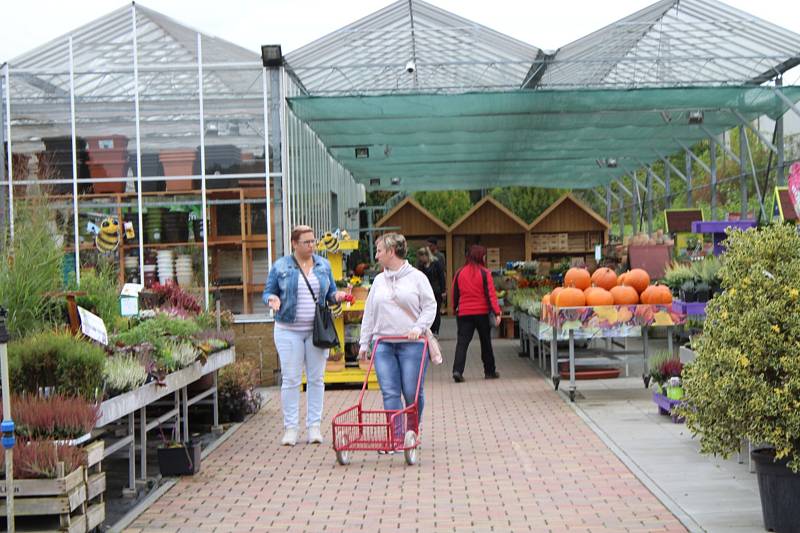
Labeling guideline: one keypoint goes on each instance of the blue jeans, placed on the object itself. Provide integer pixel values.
(296, 350)
(397, 366)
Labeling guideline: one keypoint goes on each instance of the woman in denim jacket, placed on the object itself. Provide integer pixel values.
(287, 294)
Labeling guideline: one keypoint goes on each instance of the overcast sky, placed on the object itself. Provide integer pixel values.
(293, 23)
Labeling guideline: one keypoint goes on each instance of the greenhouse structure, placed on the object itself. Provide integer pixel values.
(212, 151)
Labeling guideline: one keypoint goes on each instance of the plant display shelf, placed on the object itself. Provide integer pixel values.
(336, 372)
(717, 229)
(603, 322)
(666, 406)
(72, 502)
(136, 401)
(689, 308)
(246, 240)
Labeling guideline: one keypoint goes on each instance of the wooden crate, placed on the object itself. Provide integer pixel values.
(71, 503)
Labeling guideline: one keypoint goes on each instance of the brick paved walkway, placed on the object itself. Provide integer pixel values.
(498, 455)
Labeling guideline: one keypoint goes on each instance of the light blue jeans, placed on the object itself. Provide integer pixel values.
(397, 366)
(295, 349)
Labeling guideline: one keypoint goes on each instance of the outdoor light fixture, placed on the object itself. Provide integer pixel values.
(374, 182)
(271, 55)
(362, 152)
(395, 181)
(610, 162)
(695, 117)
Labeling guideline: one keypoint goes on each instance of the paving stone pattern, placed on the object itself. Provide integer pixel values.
(498, 455)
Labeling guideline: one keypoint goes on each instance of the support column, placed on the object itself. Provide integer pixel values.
(743, 171)
(649, 202)
(712, 150)
(621, 216)
(667, 187)
(781, 175)
(689, 196)
(608, 203)
(3, 196)
(635, 206)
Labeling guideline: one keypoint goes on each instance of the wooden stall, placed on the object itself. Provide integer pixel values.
(418, 224)
(490, 224)
(567, 228)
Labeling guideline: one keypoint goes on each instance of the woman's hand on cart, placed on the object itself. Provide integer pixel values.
(413, 334)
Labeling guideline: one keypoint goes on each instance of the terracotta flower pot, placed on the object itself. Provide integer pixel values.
(178, 163)
(359, 293)
(108, 158)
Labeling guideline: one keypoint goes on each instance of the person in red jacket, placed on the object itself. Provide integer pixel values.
(475, 302)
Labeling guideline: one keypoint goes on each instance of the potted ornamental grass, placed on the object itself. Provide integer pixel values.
(745, 381)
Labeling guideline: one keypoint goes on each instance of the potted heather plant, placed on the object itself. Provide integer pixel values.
(177, 458)
(745, 381)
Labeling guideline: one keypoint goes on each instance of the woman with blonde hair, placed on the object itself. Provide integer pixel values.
(400, 304)
(294, 285)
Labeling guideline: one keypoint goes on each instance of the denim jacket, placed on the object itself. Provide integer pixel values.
(283, 280)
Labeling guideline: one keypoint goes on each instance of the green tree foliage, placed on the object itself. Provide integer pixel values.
(526, 202)
(447, 206)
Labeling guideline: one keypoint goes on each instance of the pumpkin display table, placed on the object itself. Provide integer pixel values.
(598, 322)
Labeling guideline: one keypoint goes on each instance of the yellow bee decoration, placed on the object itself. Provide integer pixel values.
(336, 309)
(107, 239)
(330, 242)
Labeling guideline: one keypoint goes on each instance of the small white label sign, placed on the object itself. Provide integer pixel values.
(93, 326)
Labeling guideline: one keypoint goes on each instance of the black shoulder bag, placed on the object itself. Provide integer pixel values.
(492, 316)
(324, 331)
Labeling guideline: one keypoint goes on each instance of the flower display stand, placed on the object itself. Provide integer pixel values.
(72, 502)
(666, 406)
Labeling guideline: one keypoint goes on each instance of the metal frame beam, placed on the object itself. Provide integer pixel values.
(672, 167)
(720, 142)
(694, 157)
(786, 101)
(758, 134)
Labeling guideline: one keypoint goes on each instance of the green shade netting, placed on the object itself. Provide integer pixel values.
(531, 138)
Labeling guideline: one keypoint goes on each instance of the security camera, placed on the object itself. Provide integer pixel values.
(411, 67)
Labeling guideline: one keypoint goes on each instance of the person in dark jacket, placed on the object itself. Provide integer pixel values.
(433, 270)
(473, 297)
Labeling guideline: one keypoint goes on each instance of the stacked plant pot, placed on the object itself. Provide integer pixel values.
(56, 162)
(221, 159)
(166, 266)
(132, 268)
(184, 270)
(175, 226)
(151, 166)
(178, 163)
(153, 234)
(197, 229)
(108, 158)
(149, 270)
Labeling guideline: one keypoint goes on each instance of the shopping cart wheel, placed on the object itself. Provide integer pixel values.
(410, 445)
(343, 457)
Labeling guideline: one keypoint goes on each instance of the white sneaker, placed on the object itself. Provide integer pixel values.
(314, 435)
(289, 437)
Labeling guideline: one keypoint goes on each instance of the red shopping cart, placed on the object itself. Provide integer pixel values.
(359, 429)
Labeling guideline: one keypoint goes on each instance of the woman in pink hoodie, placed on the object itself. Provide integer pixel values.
(400, 304)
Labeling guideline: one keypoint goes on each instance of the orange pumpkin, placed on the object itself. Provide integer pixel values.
(621, 279)
(605, 278)
(638, 278)
(624, 295)
(554, 295)
(657, 294)
(546, 300)
(570, 297)
(599, 296)
(578, 278)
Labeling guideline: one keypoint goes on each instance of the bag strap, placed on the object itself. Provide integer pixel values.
(305, 278)
(486, 291)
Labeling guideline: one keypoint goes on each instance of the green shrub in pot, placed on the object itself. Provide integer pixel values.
(745, 382)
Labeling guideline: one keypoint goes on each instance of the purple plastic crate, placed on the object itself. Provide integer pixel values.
(665, 406)
(689, 308)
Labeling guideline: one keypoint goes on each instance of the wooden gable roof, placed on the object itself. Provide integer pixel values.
(568, 214)
(412, 219)
(488, 217)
